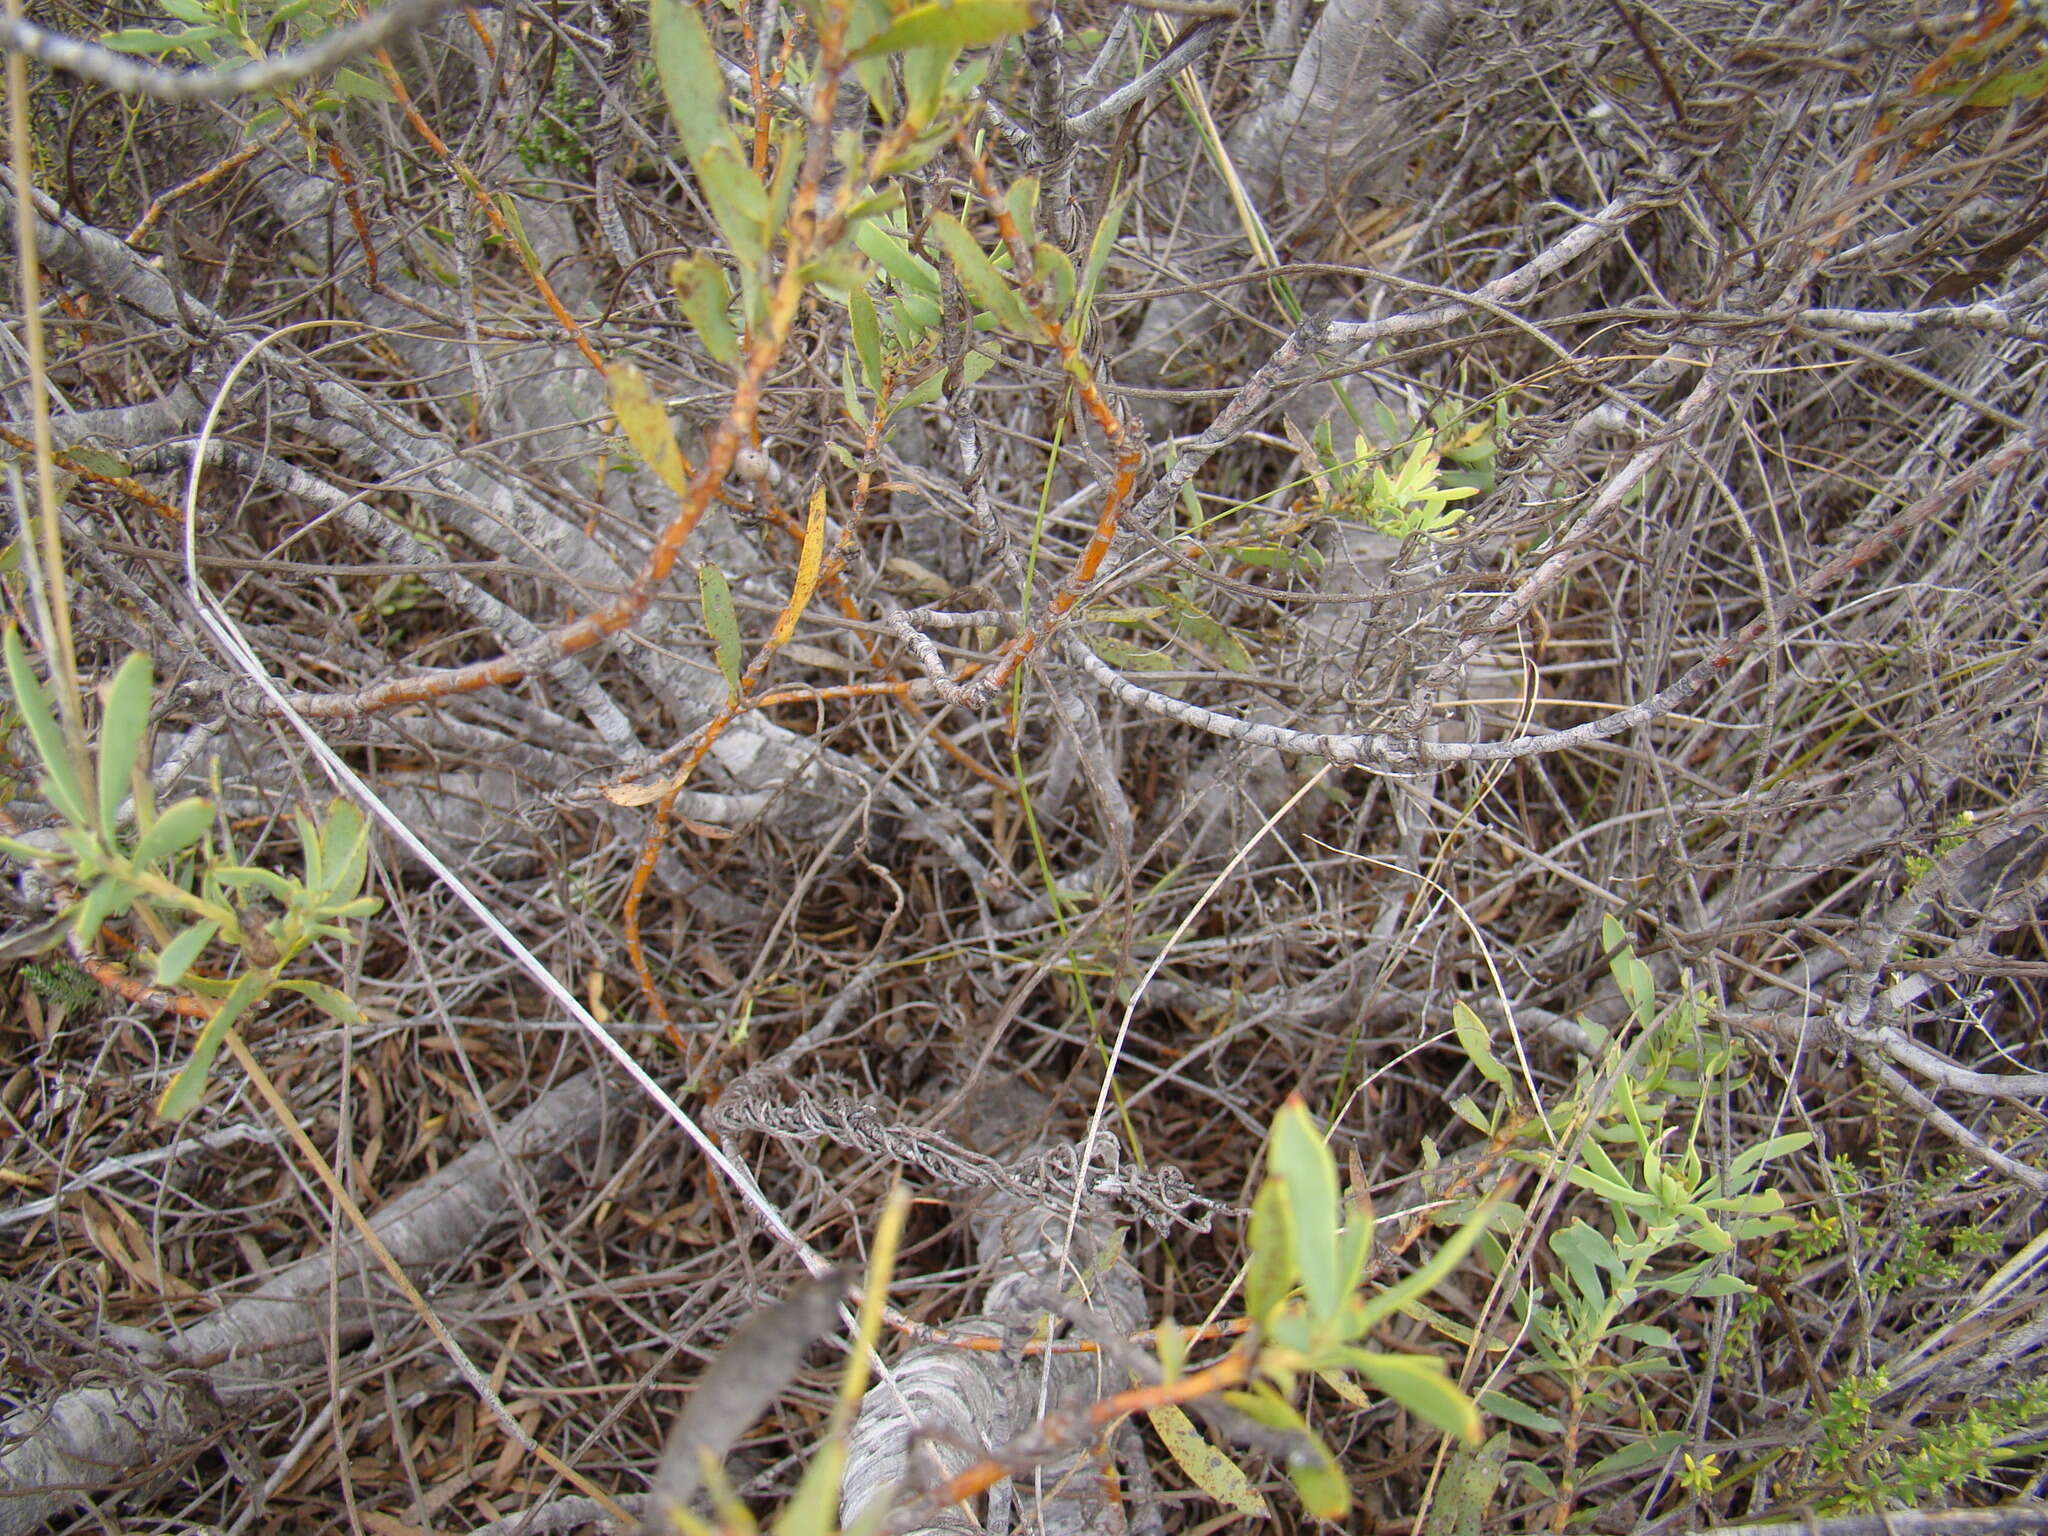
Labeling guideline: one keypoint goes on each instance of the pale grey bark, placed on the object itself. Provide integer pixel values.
(99, 1437)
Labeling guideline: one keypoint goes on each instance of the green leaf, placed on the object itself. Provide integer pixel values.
(887, 249)
(706, 300)
(177, 828)
(238, 877)
(179, 954)
(966, 24)
(1641, 1454)
(867, 338)
(143, 40)
(1021, 202)
(1317, 1479)
(1478, 1047)
(122, 726)
(714, 593)
(1469, 1483)
(353, 82)
(1749, 1159)
(1270, 1274)
(1207, 1468)
(1447, 1258)
(691, 78)
(345, 853)
(332, 1001)
(186, 1089)
(1501, 1406)
(1308, 1177)
(62, 783)
(926, 74)
(978, 275)
(1419, 1384)
(98, 461)
(1054, 272)
(813, 1509)
(107, 899)
(739, 203)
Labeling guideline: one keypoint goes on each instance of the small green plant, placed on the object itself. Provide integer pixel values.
(558, 139)
(216, 32)
(176, 876)
(1416, 499)
(1662, 1232)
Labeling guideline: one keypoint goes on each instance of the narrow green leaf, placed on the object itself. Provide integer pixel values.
(1641, 1454)
(1308, 1176)
(1207, 1468)
(1442, 1262)
(1470, 1481)
(867, 338)
(179, 954)
(706, 300)
(1501, 1406)
(1749, 1159)
(1419, 1384)
(888, 250)
(63, 784)
(176, 829)
(353, 82)
(739, 203)
(508, 206)
(965, 24)
(691, 78)
(122, 726)
(714, 593)
(1022, 202)
(1270, 1274)
(241, 877)
(978, 275)
(332, 1001)
(1474, 1039)
(186, 1089)
(926, 74)
(108, 899)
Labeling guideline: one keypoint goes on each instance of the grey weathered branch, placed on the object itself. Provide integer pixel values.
(90, 1438)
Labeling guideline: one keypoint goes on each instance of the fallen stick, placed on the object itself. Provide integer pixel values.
(91, 1438)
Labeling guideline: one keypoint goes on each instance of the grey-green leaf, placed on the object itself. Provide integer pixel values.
(61, 779)
(179, 954)
(691, 78)
(122, 727)
(715, 593)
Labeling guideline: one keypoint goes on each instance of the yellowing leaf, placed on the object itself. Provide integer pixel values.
(808, 564)
(644, 420)
(1208, 1468)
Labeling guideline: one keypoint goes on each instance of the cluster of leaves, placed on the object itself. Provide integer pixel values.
(1417, 499)
(177, 874)
(1302, 1294)
(215, 32)
(1868, 1459)
(1630, 1133)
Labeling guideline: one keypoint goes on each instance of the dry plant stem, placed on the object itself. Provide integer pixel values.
(88, 1437)
(1390, 752)
(493, 215)
(120, 72)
